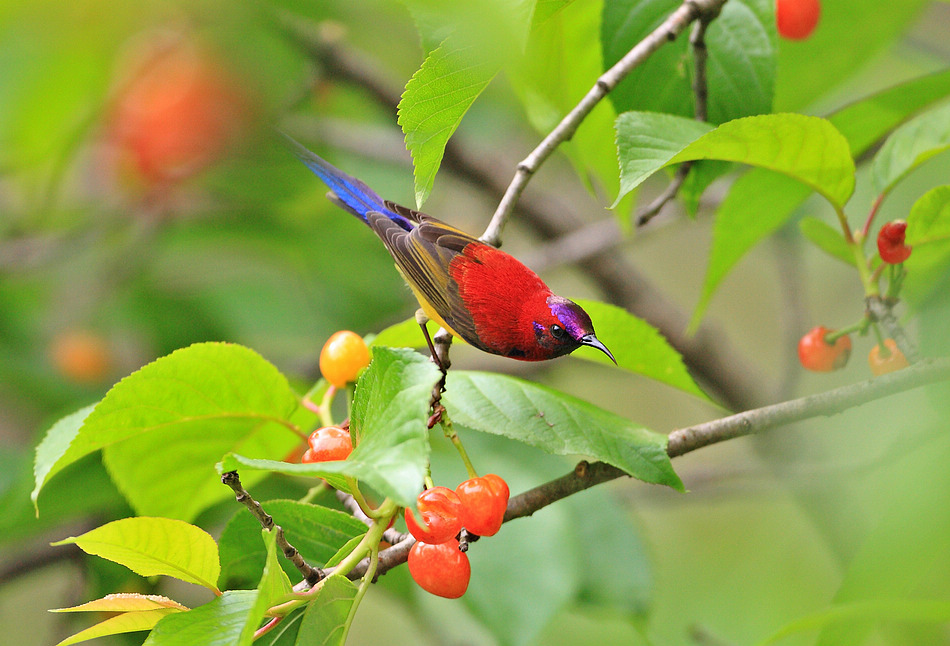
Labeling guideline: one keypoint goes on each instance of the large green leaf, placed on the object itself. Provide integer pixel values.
(910, 146)
(436, 98)
(475, 38)
(324, 623)
(760, 201)
(186, 409)
(557, 423)
(741, 59)
(153, 546)
(807, 149)
(390, 411)
(316, 532)
(637, 346)
(218, 623)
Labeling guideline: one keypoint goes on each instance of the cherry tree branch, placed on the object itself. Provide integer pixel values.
(311, 575)
(586, 475)
(689, 11)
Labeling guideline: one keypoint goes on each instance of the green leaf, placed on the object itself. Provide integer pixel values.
(436, 98)
(273, 586)
(928, 232)
(910, 146)
(324, 623)
(138, 612)
(931, 611)
(638, 347)
(826, 238)
(406, 334)
(929, 218)
(647, 141)
(760, 201)
(186, 409)
(808, 149)
(316, 532)
(286, 632)
(52, 447)
(218, 623)
(864, 122)
(557, 423)
(153, 546)
(388, 423)
(741, 46)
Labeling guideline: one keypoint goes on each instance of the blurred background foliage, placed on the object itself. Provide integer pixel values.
(118, 245)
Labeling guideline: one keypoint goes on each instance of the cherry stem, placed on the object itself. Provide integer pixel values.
(873, 212)
(266, 628)
(449, 430)
(861, 327)
(358, 497)
(323, 410)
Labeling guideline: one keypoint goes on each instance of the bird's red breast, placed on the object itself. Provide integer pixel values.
(504, 299)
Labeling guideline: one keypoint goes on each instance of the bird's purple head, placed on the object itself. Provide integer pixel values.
(573, 327)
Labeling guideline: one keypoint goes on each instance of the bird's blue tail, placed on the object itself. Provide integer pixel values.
(348, 192)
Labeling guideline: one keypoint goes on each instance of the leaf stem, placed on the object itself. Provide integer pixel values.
(358, 497)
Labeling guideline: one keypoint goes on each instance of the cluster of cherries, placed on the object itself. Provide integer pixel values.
(824, 350)
(437, 561)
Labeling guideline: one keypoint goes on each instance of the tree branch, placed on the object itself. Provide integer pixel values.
(689, 11)
(686, 440)
(310, 574)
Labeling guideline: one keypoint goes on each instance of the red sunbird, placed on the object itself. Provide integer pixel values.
(477, 292)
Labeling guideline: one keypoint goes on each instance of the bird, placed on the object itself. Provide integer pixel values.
(475, 291)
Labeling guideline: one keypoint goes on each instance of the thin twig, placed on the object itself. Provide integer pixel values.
(689, 11)
(697, 41)
(311, 575)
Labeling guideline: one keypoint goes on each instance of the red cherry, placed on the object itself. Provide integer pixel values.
(328, 443)
(441, 516)
(442, 570)
(818, 355)
(796, 19)
(890, 242)
(484, 501)
(894, 360)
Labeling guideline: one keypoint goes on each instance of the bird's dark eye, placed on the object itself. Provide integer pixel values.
(558, 332)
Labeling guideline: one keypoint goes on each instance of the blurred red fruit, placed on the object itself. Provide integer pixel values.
(82, 357)
(177, 112)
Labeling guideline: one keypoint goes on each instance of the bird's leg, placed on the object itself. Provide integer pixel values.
(440, 356)
(422, 319)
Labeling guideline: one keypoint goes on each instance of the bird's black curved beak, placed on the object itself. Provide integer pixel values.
(594, 342)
